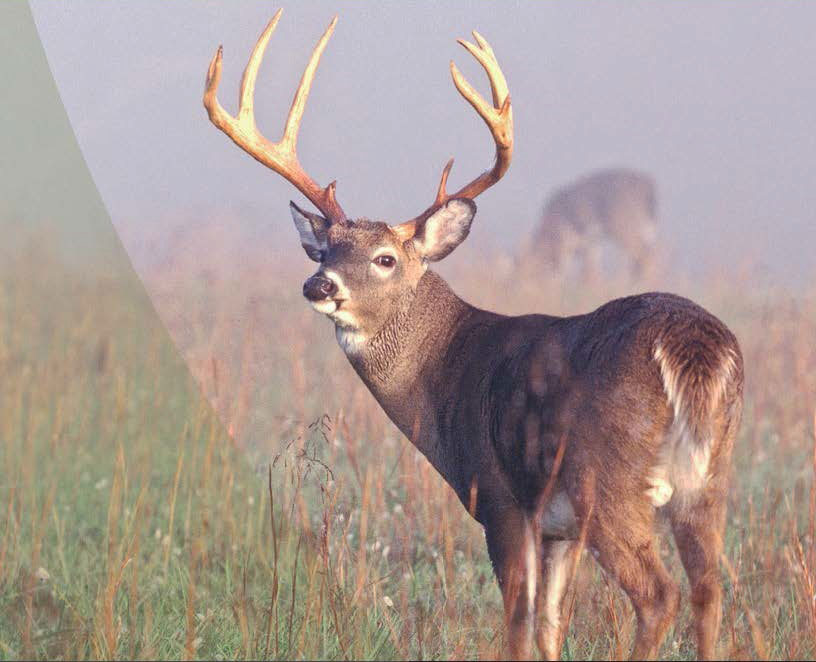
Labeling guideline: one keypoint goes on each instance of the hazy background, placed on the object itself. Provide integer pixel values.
(716, 100)
(133, 529)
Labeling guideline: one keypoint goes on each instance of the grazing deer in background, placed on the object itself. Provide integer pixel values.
(553, 431)
(616, 207)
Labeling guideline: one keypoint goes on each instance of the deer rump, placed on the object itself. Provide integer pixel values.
(637, 390)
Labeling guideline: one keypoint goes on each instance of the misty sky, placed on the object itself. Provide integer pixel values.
(716, 100)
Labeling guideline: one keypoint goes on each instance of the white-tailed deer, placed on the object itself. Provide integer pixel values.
(554, 432)
(613, 207)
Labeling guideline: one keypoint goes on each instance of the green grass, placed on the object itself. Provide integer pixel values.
(132, 525)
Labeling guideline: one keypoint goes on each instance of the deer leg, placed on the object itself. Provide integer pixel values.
(513, 550)
(557, 557)
(698, 532)
(553, 252)
(592, 253)
(629, 554)
(569, 251)
(698, 524)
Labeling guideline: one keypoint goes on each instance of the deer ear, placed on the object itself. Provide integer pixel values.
(445, 229)
(313, 230)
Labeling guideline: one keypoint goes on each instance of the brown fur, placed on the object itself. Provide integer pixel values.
(487, 397)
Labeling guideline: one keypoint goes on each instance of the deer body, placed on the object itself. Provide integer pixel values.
(616, 206)
(647, 426)
(554, 432)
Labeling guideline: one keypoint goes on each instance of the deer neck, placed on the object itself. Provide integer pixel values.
(402, 364)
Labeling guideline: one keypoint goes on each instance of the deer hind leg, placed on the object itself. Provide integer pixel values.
(555, 253)
(698, 530)
(513, 550)
(629, 554)
(592, 260)
(698, 523)
(557, 558)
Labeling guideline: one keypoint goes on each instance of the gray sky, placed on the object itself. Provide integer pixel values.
(716, 100)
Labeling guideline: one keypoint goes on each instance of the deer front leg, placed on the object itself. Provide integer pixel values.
(515, 555)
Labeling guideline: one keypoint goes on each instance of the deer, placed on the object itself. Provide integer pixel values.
(614, 206)
(557, 434)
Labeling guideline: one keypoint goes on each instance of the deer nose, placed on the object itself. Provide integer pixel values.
(319, 287)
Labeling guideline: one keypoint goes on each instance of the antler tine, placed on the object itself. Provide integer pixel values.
(282, 155)
(441, 194)
(218, 115)
(299, 102)
(499, 119)
(246, 97)
(498, 85)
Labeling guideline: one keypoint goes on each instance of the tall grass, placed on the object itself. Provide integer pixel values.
(133, 523)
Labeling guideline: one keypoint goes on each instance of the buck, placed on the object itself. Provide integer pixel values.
(555, 432)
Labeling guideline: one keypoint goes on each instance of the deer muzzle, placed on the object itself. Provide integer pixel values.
(318, 288)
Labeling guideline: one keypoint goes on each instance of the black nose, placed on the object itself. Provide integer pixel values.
(318, 287)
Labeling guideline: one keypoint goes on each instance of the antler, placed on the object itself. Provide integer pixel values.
(498, 117)
(282, 155)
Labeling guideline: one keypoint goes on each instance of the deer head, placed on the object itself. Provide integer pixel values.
(366, 268)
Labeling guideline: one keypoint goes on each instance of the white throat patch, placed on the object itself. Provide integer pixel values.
(351, 340)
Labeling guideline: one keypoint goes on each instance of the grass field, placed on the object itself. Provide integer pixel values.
(132, 525)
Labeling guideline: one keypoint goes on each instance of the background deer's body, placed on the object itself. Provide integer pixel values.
(612, 207)
(550, 430)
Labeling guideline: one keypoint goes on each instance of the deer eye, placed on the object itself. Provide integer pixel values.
(386, 261)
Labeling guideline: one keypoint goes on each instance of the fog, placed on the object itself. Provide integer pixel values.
(715, 100)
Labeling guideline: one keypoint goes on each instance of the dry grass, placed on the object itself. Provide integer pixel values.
(133, 524)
